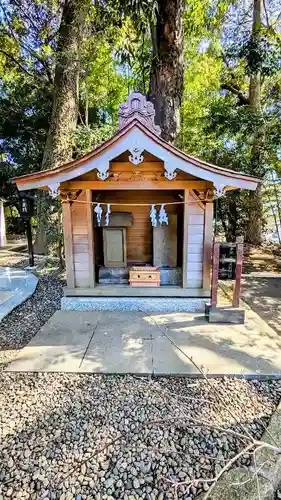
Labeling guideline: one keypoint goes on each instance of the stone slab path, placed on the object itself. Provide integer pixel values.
(16, 285)
(4, 296)
(135, 342)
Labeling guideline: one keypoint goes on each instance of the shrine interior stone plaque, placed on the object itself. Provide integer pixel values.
(117, 219)
(114, 247)
(165, 244)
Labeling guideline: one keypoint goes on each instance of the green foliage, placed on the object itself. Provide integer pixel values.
(102, 83)
(201, 84)
(88, 138)
(54, 228)
(261, 54)
(217, 122)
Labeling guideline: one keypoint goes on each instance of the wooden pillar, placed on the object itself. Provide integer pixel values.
(68, 244)
(238, 274)
(91, 248)
(185, 239)
(215, 273)
(208, 245)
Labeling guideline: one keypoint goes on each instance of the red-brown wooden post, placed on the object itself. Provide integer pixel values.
(238, 275)
(215, 273)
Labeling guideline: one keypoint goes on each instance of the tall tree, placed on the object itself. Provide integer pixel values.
(60, 136)
(59, 142)
(253, 230)
(27, 39)
(243, 116)
(167, 69)
(161, 24)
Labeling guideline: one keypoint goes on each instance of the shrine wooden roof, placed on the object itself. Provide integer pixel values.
(138, 133)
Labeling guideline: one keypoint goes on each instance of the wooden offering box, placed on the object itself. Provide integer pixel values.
(144, 276)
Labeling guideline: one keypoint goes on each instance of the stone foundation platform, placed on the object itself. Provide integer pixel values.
(171, 276)
(113, 275)
(120, 275)
(225, 315)
(146, 304)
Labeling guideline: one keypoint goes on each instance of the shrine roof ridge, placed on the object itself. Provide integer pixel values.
(134, 123)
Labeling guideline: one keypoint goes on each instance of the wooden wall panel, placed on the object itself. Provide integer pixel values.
(91, 244)
(68, 244)
(194, 257)
(194, 208)
(186, 215)
(80, 243)
(194, 266)
(208, 246)
(195, 244)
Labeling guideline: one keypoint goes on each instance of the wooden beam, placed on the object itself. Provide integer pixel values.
(69, 195)
(68, 244)
(185, 238)
(137, 184)
(146, 165)
(197, 199)
(208, 243)
(91, 248)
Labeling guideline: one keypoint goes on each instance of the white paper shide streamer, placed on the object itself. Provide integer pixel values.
(98, 211)
(153, 216)
(163, 217)
(108, 212)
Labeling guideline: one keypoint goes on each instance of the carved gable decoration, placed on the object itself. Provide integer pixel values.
(138, 107)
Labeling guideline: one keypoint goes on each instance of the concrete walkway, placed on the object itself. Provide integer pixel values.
(16, 285)
(123, 342)
(262, 292)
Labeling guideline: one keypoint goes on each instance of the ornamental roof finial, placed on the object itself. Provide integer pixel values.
(138, 107)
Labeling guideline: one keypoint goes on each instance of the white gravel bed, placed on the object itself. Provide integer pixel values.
(18, 328)
(104, 437)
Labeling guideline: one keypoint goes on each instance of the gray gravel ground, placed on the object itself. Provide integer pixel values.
(17, 329)
(57, 430)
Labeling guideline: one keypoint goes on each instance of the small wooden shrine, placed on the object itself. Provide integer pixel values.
(136, 200)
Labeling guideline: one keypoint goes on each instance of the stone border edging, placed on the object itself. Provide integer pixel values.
(16, 280)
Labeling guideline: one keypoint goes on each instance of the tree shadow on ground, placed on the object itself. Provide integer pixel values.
(104, 343)
(263, 295)
(53, 423)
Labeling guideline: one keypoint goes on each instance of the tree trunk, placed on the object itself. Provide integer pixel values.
(255, 78)
(167, 70)
(59, 142)
(253, 233)
(40, 243)
(277, 202)
(58, 148)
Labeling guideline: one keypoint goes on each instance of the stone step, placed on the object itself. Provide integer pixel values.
(146, 304)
